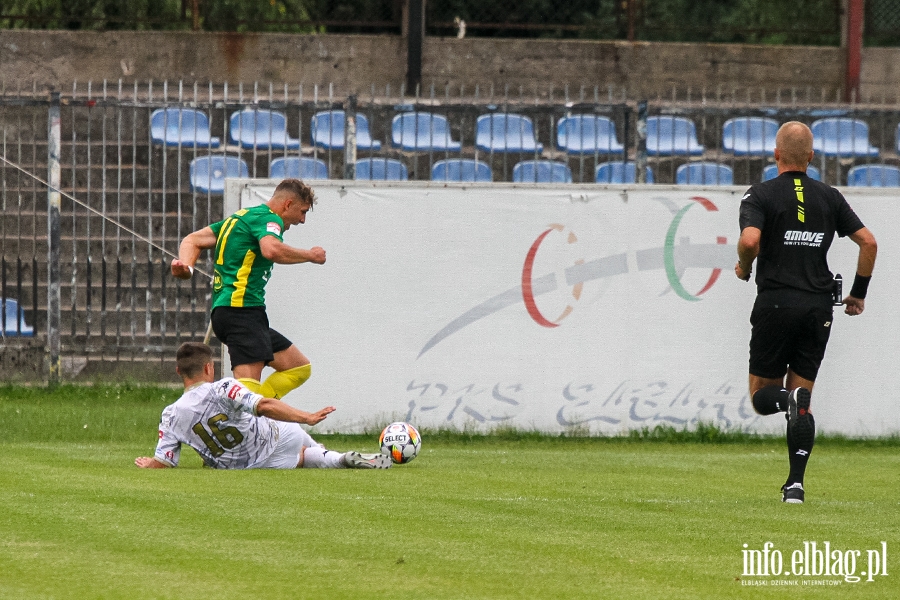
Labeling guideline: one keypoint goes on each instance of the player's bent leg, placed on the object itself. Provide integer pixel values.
(317, 457)
(801, 435)
(289, 372)
(768, 394)
(280, 383)
(248, 374)
(288, 359)
(770, 400)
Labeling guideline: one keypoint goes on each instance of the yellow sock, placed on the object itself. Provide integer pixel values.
(251, 384)
(279, 383)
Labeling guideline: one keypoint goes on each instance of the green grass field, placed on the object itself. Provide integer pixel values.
(517, 515)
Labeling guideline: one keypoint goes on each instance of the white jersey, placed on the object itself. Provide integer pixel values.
(220, 422)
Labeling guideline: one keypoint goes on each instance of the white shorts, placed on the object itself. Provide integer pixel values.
(291, 440)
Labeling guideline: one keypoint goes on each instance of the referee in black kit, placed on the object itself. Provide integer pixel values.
(788, 224)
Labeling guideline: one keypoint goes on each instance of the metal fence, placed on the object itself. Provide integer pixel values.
(882, 22)
(131, 188)
(651, 20)
(286, 16)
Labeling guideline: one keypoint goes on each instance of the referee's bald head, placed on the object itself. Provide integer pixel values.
(794, 145)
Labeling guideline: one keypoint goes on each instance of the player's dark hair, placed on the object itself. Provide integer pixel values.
(298, 189)
(191, 357)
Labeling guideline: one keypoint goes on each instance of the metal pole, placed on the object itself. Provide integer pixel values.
(855, 21)
(626, 142)
(640, 162)
(54, 177)
(195, 15)
(632, 9)
(415, 41)
(350, 138)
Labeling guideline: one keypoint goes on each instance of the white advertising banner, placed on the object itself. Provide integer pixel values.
(586, 308)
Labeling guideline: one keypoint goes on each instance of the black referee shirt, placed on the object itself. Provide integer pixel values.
(798, 217)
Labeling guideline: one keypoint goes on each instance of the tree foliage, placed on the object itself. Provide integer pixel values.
(91, 14)
(814, 22)
(215, 15)
(747, 21)
(266, 15)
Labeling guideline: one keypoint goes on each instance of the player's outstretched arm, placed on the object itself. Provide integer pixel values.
(148, 462)
(281, 411)
(855, 303)
(189, 251)
(748, 250)
(279, 252)
(868, 250)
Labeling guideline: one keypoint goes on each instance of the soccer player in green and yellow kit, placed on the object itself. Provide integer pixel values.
(245, 247)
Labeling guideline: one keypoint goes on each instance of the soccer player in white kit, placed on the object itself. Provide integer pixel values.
(231, 427)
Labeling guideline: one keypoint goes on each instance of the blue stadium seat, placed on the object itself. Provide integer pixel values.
(461, 169)
(704, 173)
(873, 176)
(15, 320)
(422, 132)
(749, 136)
(587, 134)
(381, 169)
(327, 131)
(771, 172)
(541, 171)
(672, 136)
(208, 173)
(184, 127)
(298, 167)
(619, 172)
(262, 129)
(842, 137)
(506, 132)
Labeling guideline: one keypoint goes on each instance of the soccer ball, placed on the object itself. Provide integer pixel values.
(400, 441)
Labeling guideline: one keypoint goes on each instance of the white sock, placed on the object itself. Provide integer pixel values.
(320, 458)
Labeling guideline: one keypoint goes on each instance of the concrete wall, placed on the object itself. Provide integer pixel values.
(354, 62)
(880, 75)
(59, 57)
(645, 69)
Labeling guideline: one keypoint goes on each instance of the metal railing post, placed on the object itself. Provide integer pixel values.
(54, 177)
(350, 138)
(640, 162)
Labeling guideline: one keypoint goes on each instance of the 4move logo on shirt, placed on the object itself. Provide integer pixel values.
(803, 238)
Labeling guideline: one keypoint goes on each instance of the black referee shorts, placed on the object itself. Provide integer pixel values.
(788, 336)
(246, 333)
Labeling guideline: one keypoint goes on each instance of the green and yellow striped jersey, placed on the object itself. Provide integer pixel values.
(241, 271)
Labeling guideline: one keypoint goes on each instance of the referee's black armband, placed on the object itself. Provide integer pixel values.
(860, 286)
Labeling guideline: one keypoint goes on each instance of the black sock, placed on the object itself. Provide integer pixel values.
(770, 400)
(800, 439)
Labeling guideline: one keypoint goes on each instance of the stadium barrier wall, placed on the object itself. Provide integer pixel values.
(594, 309)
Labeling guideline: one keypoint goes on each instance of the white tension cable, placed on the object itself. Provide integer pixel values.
(96, 212)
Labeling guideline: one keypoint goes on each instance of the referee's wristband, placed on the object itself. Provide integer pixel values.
(860, 286)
